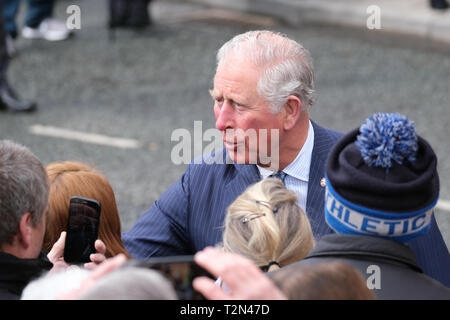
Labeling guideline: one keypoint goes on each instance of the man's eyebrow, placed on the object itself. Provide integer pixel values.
(213, 93)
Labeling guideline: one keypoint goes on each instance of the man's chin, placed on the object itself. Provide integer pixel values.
(241, 157)
(244, 158)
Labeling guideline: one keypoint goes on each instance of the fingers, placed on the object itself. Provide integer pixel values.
(108, 266)
(100, 246)
(209, 289)
(234, 269)
(56, 254)
(97, 258)
(57, 251)
(96, 274)
(244, 279)
(206, 259)
(219, 263)
(103, 269)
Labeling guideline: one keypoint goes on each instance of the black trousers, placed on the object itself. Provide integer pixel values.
(3, 51)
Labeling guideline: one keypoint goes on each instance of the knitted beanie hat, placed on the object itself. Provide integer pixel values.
(382, 180)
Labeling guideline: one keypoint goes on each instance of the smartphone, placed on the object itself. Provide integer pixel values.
(82, 229)
(181, 271)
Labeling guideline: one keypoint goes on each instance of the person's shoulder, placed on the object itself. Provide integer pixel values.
(216, 157)
(215, 163)
(436, 290)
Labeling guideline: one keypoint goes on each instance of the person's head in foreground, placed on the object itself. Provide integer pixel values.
(23, 201)
(382, 180)
(70, 178)
(266, 225)
(323, 281)
(111, 281)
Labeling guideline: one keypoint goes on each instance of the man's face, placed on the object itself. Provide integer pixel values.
(242, 115)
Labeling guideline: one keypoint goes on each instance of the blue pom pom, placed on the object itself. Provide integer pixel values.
(385, 138)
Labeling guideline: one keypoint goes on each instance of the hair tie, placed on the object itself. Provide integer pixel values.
(267, 266)
(271, 263)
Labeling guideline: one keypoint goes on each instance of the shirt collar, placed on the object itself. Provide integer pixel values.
(299, 168)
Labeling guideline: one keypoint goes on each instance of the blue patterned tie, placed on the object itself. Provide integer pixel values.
(279, 174)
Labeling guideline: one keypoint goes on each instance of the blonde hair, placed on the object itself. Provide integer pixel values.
(68, 179)
(266, 225)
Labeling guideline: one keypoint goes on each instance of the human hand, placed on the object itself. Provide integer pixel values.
(245, 280)
(56, 254)
(101, 270)
(97, 258)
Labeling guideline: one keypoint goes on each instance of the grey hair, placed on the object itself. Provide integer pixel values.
(288, 66)
(52, 285)
(131, 283)
(24, 188)
(126, 283)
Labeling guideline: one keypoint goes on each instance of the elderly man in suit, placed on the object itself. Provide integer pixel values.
(263, 81)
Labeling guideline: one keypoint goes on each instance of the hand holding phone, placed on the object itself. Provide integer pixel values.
(82, 229)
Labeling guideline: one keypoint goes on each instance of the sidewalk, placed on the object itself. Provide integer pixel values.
(412, 17)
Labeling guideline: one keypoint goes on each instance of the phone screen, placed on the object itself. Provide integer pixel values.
(82, 229)
(181, 271)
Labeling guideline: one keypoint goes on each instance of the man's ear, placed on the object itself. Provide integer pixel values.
(292, 110)
(25, 230)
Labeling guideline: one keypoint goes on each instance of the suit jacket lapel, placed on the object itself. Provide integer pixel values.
(245, 175)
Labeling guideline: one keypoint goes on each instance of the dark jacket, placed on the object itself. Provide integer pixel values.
(4, 58)
(16, 273)
(400, 277)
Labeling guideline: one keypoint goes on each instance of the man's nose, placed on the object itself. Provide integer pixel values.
(225, 117)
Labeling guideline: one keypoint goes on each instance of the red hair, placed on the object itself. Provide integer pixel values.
(68, 179)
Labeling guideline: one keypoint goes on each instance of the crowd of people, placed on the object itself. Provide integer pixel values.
(310, 226)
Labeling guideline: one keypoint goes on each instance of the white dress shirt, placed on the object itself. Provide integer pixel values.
(298, 170)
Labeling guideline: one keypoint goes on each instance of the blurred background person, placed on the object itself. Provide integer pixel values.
(9, 99)
(324, 281)
(39, 21)
(129, 13)
(132, 14)
(439, 4)
(266, 225)
(68, 179)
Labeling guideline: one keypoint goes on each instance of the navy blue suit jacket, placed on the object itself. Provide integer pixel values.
(189, 215)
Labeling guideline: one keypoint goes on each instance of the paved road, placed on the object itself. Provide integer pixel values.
(143, 86)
